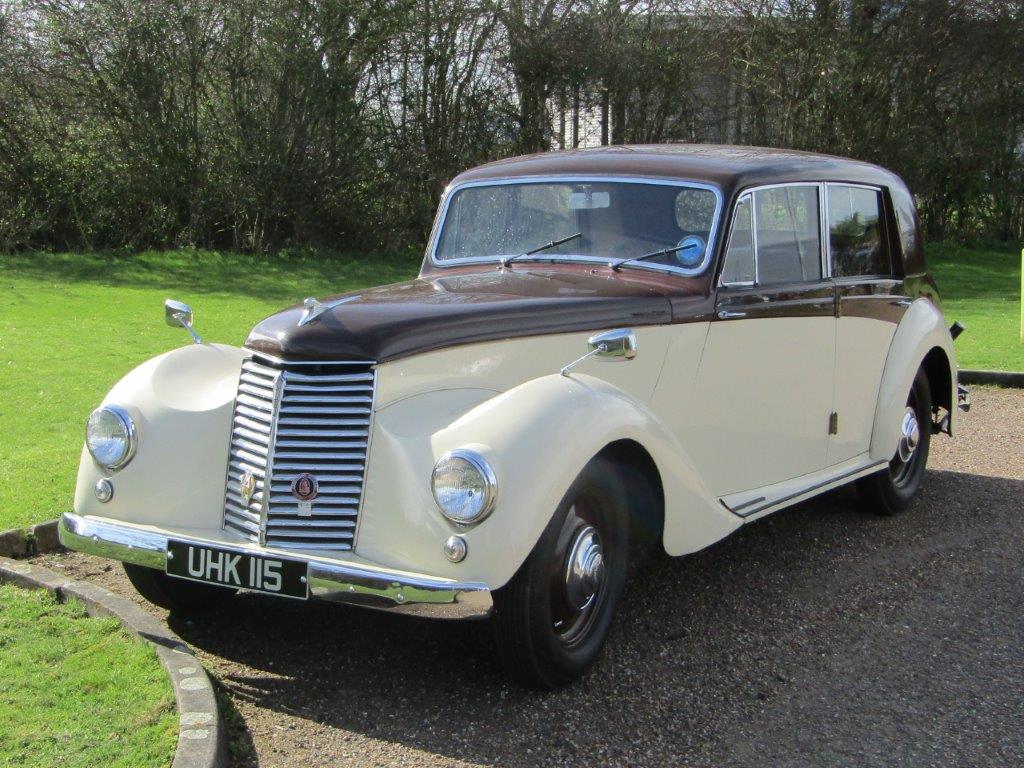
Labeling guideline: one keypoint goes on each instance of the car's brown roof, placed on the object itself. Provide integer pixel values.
(730, 167)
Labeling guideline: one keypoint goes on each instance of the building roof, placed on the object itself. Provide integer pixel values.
(729, 167)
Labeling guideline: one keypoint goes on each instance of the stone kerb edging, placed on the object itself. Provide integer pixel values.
(1003, 378)
(35, 540)
(201, 739)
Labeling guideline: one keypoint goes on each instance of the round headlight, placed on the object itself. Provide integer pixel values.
(110, 437)
(464, 486)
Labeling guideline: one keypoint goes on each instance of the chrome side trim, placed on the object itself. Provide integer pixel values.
(712, 244)
(363, 585)
(761, 503)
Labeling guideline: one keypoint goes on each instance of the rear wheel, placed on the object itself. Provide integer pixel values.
(176, 595)
(893, 489)
(552, 618)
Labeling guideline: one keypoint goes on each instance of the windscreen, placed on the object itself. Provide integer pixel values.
(605, 220)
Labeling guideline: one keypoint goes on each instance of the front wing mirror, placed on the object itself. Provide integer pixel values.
(611, 347)
(178, 314)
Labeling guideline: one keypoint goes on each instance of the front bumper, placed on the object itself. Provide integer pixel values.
(352, 583)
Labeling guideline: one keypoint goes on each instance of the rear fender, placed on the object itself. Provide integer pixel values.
(922, 329)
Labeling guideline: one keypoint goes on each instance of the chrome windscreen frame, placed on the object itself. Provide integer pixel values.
(709, 251)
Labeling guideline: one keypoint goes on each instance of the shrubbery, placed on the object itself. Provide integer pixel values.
(261, 124)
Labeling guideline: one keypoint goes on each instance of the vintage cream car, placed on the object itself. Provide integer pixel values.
(458, 446)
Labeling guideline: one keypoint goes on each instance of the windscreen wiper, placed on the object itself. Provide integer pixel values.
(509, 259)
(615, 265)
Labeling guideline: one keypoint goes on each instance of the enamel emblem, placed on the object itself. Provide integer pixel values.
(247, 487)
(305, 487)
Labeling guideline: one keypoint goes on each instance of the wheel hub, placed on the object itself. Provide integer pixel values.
(584, 568)
(910, 435)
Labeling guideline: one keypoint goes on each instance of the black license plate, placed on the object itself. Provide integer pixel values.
(272, 575)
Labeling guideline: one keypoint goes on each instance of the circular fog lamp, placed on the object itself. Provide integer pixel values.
(464, 486)
(455, 549)
(110, 437)
(104, 490)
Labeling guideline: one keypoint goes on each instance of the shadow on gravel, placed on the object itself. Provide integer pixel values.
(728, 656)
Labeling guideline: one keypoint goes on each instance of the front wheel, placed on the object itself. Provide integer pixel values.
(552, 618)
(176, 595)
(893, 489)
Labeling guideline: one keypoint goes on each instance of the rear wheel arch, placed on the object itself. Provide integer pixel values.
(937, 368)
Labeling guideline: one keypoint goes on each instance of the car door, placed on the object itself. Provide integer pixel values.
(765, 382)
(871, 302)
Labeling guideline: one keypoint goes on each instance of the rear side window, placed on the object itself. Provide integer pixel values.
(855, 232)
(788, 234)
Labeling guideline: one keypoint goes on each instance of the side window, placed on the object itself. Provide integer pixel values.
(739, 258)
(855, 233)
(788, 226)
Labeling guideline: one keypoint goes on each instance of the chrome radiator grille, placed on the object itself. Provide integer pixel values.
(292, 419)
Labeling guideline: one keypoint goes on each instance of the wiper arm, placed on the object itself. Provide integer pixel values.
(554, 243)
(616, 265)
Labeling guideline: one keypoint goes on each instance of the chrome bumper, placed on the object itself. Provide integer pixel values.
(367, 586)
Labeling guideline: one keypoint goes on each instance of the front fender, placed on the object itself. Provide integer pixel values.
(922, 329)
(537, 437)
(181, 404)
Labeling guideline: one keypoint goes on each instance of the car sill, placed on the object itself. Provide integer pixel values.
(762, 501)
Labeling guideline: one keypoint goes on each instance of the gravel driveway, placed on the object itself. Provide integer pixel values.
(819, 636)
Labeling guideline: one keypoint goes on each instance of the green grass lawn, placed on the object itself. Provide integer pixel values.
(77, 691)
(71, 325)
(981, 289)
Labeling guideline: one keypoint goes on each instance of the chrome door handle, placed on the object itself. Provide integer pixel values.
(727, 315)
(902, 302)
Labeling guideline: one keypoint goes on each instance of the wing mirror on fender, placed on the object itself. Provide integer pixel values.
(612, 347)
(177, 313)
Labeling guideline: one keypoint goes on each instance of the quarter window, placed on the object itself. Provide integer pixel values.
(739, 259)
(855, 233)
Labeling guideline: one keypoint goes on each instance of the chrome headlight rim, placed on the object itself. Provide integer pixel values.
(128, 425)
(480, 464)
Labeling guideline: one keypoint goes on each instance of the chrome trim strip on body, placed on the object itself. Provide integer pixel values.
(746, 508)
(442, 216)
(341, 582)
(277, 361)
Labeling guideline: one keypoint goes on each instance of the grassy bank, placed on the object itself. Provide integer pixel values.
(73, 324)
(980, 287)
(78, 692)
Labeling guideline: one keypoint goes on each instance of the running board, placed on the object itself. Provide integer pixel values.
(748, 504)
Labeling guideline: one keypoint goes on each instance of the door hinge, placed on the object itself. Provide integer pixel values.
(833, 423)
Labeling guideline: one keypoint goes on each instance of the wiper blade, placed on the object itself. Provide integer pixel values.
(554, 243)
(616, 265)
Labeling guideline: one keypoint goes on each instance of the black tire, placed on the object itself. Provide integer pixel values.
(545, 640)
(891, 490)
(176, 595)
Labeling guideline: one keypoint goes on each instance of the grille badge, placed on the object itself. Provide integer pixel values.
(247, 486)
(305, 488)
